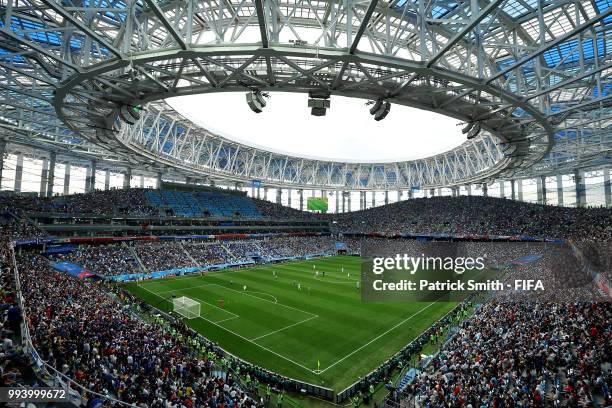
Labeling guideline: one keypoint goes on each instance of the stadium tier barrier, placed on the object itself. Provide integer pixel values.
(413, 235)
(176, 271)
(196, 269)
(110, 239)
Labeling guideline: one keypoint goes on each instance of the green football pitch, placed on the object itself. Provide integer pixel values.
(321, 332)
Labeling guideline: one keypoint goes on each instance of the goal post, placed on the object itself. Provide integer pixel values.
(186, 307)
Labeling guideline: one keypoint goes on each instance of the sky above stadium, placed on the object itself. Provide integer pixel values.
(347, 132)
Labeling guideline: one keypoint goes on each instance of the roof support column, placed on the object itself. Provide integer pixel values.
(301, 194)
(485, 190)
(2, 151)
(289, 197)
(580, 188)
(432, 192)
(67, 171)
(386, 197)
(266, 193)
(127, 178)
(158, 182)
(512, 190)
(348, 205)
(107, 179)
(43, 178)
(142, 181)
(279, 196)
(607, 188)
(92, 176)
(373, 198)
(337, 202)
(51, 174)
(541, 189)
(519, 189)
(468, 188)
(559, 189)
(88, 179)
(502, 189)
(18, 173)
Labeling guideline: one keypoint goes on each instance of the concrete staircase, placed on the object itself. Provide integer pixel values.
(136, 257)
(196, 263)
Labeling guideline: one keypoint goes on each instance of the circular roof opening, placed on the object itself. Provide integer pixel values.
(347, 133)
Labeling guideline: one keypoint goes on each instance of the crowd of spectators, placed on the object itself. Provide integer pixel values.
(123, 258)
(97, 340)
(475, 215)
(99, 202)
(275, 211)
(242, 250)
(287, 247)
(208, 253)
(465, 215)
(515, 350)
(21, 229)
(104, 260)
(162, 256)
(521, 354)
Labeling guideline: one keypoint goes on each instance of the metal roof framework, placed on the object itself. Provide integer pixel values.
(534, 73)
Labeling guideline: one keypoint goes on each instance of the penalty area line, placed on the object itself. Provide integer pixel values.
(246, 339)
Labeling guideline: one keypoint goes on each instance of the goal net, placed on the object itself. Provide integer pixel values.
(186, 307)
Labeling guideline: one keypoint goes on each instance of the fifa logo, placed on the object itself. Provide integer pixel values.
(528, 284)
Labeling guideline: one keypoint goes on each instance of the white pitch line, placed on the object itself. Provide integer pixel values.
(225, 320)
(247, 340)
(182, 289)
(267, 294)
(284, 328)
(377, 337)
(265, 300)
(313, 316)
(275, 302)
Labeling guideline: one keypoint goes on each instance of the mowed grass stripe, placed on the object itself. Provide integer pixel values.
(195, 323)
(360, 335)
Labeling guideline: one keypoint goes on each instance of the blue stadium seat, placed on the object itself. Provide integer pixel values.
(204, 204)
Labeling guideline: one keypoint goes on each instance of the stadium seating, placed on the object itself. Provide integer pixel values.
(202, 204)
(489, 358)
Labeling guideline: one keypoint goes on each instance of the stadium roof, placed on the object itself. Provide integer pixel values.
(534, 74)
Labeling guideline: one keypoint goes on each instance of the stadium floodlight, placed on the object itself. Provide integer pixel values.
(186, 307)
(467, 128)
(318, 101)
(256, 101)
(474, 131)
(380, 109)
(130, 114)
